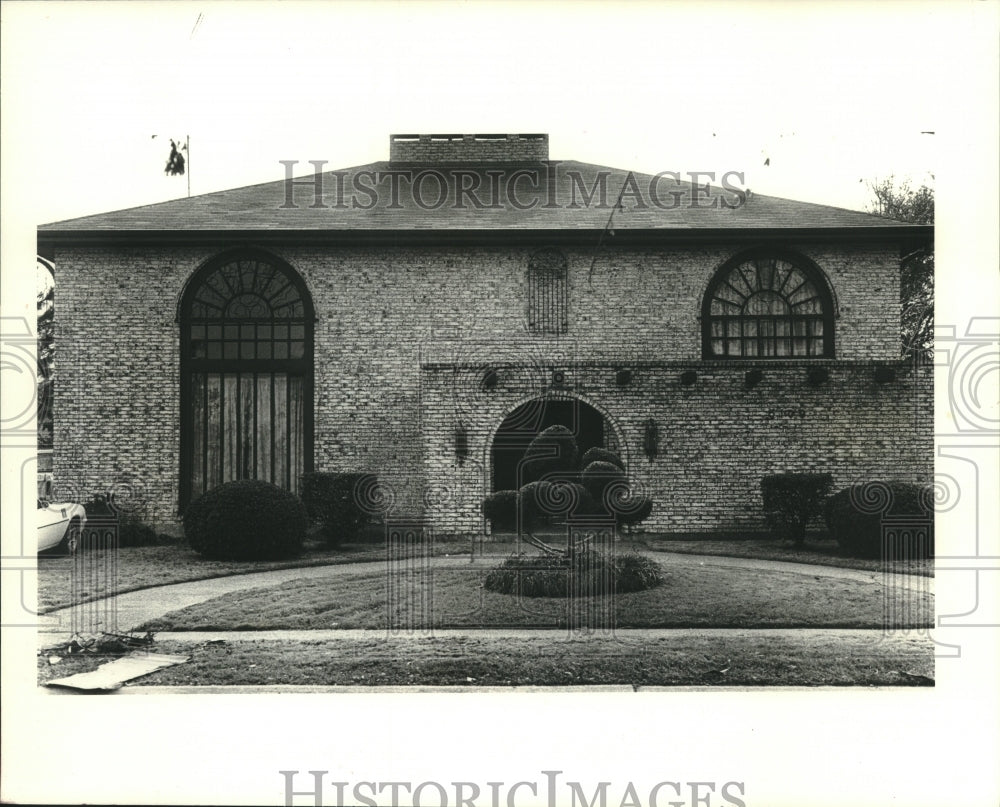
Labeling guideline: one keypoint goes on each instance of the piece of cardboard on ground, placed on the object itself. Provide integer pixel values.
(112, 675)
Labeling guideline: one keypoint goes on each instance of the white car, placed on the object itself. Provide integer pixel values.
(59, 526)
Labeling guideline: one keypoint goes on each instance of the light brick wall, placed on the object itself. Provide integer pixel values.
(383, 313)
(716, 437)
(468, 148)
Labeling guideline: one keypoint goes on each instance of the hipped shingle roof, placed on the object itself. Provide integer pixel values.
(548, 196)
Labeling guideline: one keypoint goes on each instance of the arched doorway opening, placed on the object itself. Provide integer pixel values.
(589, 426)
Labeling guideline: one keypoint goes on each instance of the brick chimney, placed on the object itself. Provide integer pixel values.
(468, 148)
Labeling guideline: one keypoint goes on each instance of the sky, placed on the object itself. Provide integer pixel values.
(829, 100)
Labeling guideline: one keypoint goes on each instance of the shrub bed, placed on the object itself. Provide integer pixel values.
(131, 530)
(855, 518)
(585, 573)
(246, 520)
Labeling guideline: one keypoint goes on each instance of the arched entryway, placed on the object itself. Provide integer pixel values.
(246, 374)
(590, 427)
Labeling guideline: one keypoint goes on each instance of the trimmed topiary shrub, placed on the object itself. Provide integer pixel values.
(558, 490)
(246, 520)
(791, 501)
(551, 455)
(634, 510)
(500, 509)
(570, 499)
(558, 500)
(598, 477)
(331, 500)
(532, 503)
(855, 518)
(585, 574)
(601, 455)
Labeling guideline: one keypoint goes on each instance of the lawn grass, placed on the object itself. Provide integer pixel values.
(142, 567)
(743, 659)
(821, 551)
(694, 594)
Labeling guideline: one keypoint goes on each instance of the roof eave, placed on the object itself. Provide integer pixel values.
(912, 234)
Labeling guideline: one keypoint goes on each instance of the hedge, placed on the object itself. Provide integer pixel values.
(332, 500)
(792, 500)
(856, 515)
(131, 530)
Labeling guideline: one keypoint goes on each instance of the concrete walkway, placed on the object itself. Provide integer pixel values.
(869, 636)
(138, 607)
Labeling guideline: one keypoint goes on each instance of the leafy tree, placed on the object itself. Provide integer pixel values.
(45, 313)
(916, 206)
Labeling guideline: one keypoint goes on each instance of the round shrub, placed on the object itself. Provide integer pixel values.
(597, 477)
(559, 500)
(585, 573)
(551, 454)
(500, 509)
(855, 518)
(533, 503)
(601, 455)
(635, 510)
(246, 520)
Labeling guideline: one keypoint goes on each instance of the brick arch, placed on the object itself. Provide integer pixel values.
(608, 420)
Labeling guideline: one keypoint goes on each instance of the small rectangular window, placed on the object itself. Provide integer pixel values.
(548, 297)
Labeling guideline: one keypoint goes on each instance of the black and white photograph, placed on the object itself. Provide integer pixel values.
(500, 403)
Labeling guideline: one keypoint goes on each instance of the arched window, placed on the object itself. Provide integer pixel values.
(246, 374)
(548, 303)
(764, 305)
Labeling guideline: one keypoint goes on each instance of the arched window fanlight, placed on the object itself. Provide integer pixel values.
(766, 305)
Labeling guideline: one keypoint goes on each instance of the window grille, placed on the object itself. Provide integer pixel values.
(548, 297)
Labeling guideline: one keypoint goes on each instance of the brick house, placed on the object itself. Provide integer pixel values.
(422, 318)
